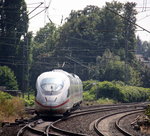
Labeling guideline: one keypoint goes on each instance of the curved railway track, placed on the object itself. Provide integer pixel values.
(84, 122)
(120, 122)
(103, 126)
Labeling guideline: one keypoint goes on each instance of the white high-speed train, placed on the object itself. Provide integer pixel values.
(58, 92)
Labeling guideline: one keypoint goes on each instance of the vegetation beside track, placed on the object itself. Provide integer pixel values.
(147, 112)
(114, 91)
(12, 108)
(29, 99)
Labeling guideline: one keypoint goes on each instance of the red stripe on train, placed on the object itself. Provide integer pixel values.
(52, 106)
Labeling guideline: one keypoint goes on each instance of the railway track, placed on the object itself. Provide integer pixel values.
(84, 122)
(103, 126)
(120, 122)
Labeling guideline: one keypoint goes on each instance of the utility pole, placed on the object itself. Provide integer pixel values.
(126, 60)
(23, 69)
(126, 52)
(27, 67)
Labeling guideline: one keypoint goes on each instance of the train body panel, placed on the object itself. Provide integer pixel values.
(57, 92)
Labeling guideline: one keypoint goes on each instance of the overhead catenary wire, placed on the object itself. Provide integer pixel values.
(34, 3)
(76, 61)
(38, 13)
(17, 22)
(90, 41)
(35, 8)
(128, 20)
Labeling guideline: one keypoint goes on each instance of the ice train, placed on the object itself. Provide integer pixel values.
(58, 92)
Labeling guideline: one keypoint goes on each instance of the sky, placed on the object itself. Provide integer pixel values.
(60, 9)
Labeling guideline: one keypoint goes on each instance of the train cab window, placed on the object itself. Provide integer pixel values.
(52, 86)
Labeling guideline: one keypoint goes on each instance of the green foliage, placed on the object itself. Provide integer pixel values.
(143, 48)
(108, 90)
(96, 37)
(30, 101)
(11, 108)
(45, 40)
(147, 111)
(7, 78)
(109, 67)
(13, 26)
(87, 85)
(134, 94)
(44, 45)
(116, 91)
(145, 74)
(87, 96)
(86, 34)
(106, 101)
(4, 96)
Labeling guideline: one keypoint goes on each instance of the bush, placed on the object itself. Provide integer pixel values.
(10, 107)
(106, 101)
(134, 94)
(147, 111)
(87, 85)
(29, 102)
(88, 97)
(117, 91)
(108, 90)
(7, 78)
(4, 96)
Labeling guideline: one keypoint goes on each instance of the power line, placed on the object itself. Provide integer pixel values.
(128, 20)
(37, 13)
(34, 3)
(35, 8)
(76, 61)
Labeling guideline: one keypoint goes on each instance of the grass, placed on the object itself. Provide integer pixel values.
(11, 108)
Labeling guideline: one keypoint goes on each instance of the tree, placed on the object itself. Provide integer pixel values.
(146, 49)
(139, 47)
(13, 25)
(145, 74)
(7, 78)
(89, 32)
(45, 40)
(43, 47)
(110, 68)
(86, 36)
(129, 20)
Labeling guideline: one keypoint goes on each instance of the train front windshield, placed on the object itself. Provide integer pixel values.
(52, 86)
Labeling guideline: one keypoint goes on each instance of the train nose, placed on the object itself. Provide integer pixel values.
(50, 99)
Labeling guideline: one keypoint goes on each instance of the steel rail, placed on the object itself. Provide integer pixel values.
(31, 129)
(104, 117)
(120, 128)
(74, 114)
(87, 111)
(21, 131)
